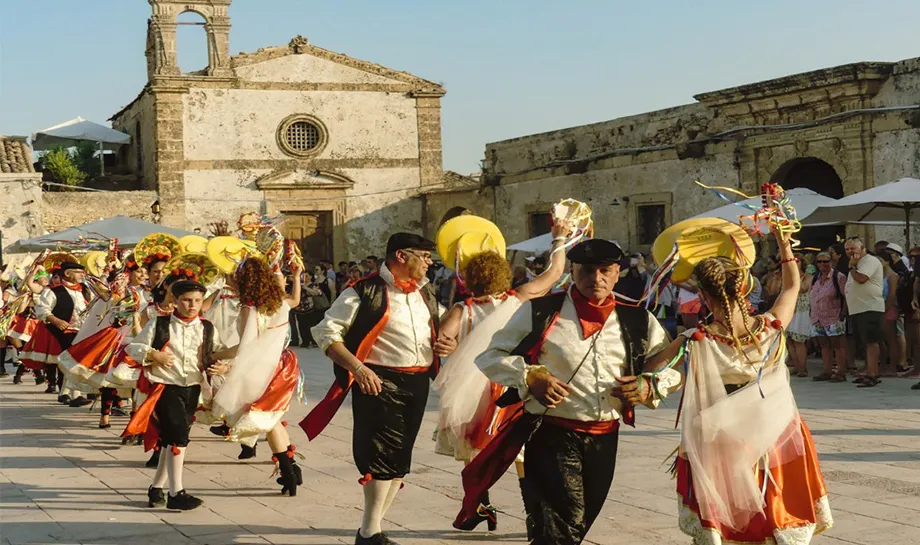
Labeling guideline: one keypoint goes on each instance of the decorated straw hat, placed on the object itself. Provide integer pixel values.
(160, 244)
(227, 252)
(94, 262)
(198, 265)
(250, 224)
(463, 237)
(270, 242)
(193, 244)
(54, 260)
(688, 242)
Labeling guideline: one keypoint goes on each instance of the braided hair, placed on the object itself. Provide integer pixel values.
(727, 284)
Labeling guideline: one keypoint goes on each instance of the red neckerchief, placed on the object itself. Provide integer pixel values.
(592, 316)
(186, 320)
(406, 287)
(73, 287)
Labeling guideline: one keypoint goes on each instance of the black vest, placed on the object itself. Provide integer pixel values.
(633, 326)
(161, 337)
(372, 293)
(63, 310)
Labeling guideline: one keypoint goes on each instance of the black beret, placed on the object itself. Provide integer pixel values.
(184, 286)
(71, 266)
(409, 241)
(595, 251)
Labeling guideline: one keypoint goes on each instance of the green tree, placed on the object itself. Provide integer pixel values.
(62, 167)
(84, 156)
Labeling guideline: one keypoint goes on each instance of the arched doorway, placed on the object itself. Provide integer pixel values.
(820, 177)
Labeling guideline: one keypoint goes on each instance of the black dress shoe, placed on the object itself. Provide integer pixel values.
(247, 452)
(376, 539)
(183, 502)
(64, 399)
(221, 431)
(155, 497)
(80, 402)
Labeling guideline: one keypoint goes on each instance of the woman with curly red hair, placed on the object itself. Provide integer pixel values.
(264, 373)
(469, 416)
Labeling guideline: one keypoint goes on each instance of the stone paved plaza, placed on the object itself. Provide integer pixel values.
(62, 480)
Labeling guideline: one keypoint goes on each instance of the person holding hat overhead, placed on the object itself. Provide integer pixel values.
(381, 335)
(176, 351)
(563, 353)
(62, 310)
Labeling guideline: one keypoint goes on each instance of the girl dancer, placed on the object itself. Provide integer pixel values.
(747, 471)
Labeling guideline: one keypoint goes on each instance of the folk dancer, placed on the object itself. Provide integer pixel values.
(176, 352)
(564, 353)
(747, 470)
(25, 323)
(381, 333)
(264, 374)
(469, 416)
(62, 312)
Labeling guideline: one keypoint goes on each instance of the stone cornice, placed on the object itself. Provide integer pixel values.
(300, 46)
(873, 73)
(316, 179)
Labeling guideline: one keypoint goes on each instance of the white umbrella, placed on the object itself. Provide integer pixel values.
(893, 202)
(70, 133)
(805, 201)
(538, 244)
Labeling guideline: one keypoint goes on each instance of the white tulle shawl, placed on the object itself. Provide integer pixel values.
(464, 390)
(261, 343)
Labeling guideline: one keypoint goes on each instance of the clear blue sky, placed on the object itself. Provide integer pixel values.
(511, 67)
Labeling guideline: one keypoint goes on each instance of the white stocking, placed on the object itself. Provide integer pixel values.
(375, 497)
(174, 467)
(159, 478)
(395, 485)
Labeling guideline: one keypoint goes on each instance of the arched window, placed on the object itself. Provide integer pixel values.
(191, 42)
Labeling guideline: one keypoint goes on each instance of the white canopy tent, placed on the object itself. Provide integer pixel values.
(805, 201)
(70, 133)
(894, 203)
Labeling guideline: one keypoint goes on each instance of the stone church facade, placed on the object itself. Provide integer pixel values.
(836, 131)
(340, 147)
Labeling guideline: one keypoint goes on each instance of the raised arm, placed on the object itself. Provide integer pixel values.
(541, 285)
(784, 307)
(294, 298)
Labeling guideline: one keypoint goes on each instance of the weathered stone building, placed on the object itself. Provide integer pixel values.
(20, 191)
(836, 131)
(337, 145)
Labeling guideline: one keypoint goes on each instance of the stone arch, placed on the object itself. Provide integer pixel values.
(191, 57)
(822, 178)
(162, 28)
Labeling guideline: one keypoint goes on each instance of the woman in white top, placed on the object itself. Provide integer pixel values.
(747, 470)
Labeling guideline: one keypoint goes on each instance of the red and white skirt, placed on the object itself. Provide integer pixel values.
(268, 410)
(23, 328)
(91, 359)
(42, 348)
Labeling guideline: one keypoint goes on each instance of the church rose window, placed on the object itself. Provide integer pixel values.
(301, 135)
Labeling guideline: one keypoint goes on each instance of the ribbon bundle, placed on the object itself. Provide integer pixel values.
(775, 211)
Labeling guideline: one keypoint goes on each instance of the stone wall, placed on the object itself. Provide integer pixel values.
(138, 121)
(63, 210)
(739, 137)
(20, 206)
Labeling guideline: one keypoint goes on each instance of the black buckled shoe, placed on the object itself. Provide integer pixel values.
(183, 502)
(376, 539)
(64, 399)
(155, 497)
(484, 513)
(247, 452)
(221, 431)
(79, 402)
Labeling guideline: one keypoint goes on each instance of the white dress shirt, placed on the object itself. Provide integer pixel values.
(564, 349)
(48, 300)
(405, 341)
(185, 340)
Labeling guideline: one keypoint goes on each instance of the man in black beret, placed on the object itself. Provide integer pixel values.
(381, 334)
(564, 353)
(62, 310)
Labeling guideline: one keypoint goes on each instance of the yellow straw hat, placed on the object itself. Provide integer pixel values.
(198, 264)
(54, 260)
(193, 244)
(94, 262)
(157, 243)
(462, 237)
(697, 239)
(227, 252)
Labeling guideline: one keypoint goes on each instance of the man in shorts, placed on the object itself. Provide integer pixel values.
(866, 305)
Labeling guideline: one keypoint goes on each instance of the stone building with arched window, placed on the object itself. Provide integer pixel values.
(836, 131)
(336, 145)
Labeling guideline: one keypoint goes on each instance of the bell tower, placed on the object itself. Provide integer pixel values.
(161, 36)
